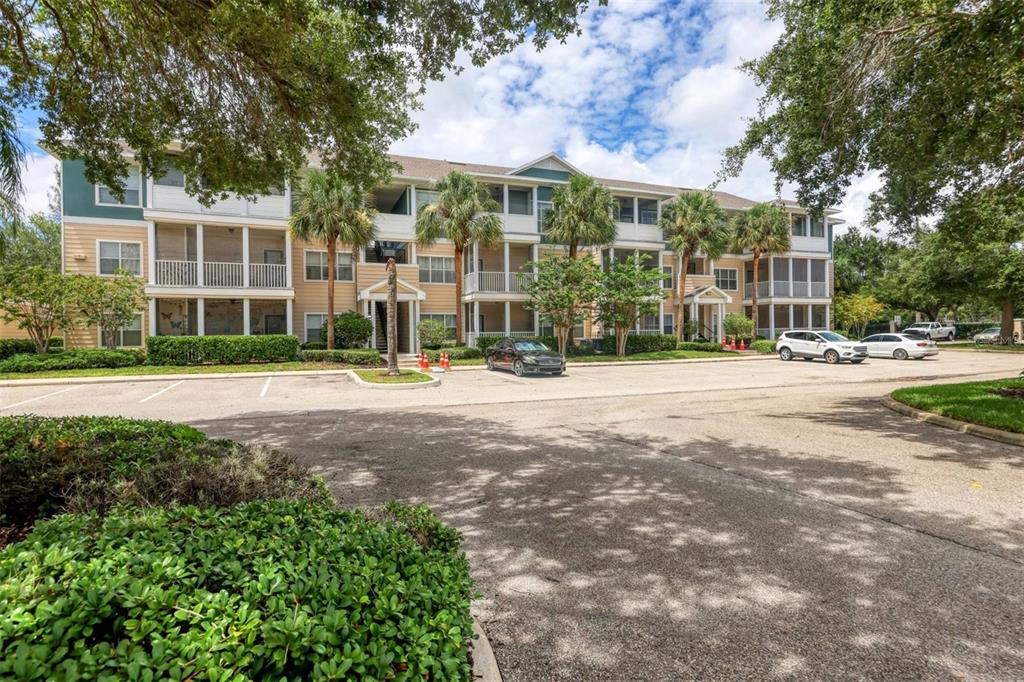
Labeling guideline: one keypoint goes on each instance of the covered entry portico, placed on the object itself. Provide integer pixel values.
(373, 301)
(707, 306)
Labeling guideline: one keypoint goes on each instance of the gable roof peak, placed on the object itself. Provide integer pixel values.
(550, 156)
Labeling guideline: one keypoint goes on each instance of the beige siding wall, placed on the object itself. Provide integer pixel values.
(9, 330)
(311, 296)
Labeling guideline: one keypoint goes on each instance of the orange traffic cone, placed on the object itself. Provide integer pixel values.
(724, 344)
(426, 363)
(732, 344)
(445, 362)
(743, 344)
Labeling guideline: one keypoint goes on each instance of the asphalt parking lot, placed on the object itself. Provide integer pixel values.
(733, 520)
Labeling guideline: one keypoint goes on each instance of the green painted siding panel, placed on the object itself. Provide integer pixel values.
(544, 193)
(79, 196)
(545, 173)
(830, 226)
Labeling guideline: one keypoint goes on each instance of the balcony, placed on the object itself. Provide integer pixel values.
(183, 273)
(497, 282)
(175, 199)
(219, 257)
(762, 289)
(787, 289)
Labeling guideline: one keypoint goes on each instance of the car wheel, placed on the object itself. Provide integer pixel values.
(785, 354)
(950, 337)
(556, 374)
(900, 354)
(518, 369)
(832, 357)
(490, 363)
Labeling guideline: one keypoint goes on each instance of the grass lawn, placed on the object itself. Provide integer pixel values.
(975, 402)
(379, 376)
(655, 355)
(989, 347)
(145, 370)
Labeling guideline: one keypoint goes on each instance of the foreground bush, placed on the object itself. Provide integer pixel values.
(52, 465)
(641, 343)
(456, 353)
(71, 359)
(9, 347)
(264, 590)
(222, 350)
(351, 330)
(432, 334)
(349, 356)
(763, 346)
(706, 346)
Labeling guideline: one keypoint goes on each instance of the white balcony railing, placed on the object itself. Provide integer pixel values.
(268, 275)
(223, 274)
(787, 289)
(819, 289)
(801, 289)
(496, 282)
(168, 198)
(176, 273)
(782, 287)
(762, 289)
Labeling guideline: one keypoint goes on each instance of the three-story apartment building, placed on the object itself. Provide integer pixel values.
(232, 268)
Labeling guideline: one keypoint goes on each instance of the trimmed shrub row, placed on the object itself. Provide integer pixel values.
(9, 347)
(221, 350)
(641, 343)
(706, 346)
(763, 346)
(456, 353)
(350, 356)
(71, 359)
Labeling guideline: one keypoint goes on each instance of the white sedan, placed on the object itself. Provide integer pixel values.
(899, 346)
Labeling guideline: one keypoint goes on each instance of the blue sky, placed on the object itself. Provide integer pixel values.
(650, 91)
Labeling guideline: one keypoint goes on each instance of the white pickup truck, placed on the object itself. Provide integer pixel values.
(933, 330)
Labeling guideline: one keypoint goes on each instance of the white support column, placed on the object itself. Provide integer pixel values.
(152, 317)
(476, 318)
(200, 256)
(412, 200)
(416, 322)
(246, 318)
(534, 255)
(636, 211)
(661, 316)
(373, 321)
(412, 326)
(288, 259)
(536, 321)
(771, 320)
(508, 318)
(504, 205)
(771, 276)
(791, 325)
(151, 252)
(791, 292)
(508, 283)
(721, 322)
(828, 316)
(287, 211)
(476, 262)
(289, 316)
(245, 256)
(536, 216)
(201, 316)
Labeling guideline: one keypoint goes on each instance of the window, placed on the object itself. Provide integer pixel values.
(670, 324)
(314, 323)
(380, 252)
(725, 279)
(273, 257)
(132, 191)
(437, 269)
(114, 256)
(520, 201)
(172, 177)
(623, 209)
(129, 335)
(648, 211)
(649, 323)
(424, 197)
(447, 320)
(799, 226)
(343, 267)
(695, 267)
(316, 266)
(818, 227)
(667, 280)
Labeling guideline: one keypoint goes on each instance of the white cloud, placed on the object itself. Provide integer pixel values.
(39, 174)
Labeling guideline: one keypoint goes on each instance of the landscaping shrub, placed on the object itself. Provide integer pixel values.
(71, 359)
(581, 348)
(706, 346)
(485, 342)
(351, 330)
(965, 330)
(349, 356)
(263, 590)
(641, 343)
(313, 345)
(456, 353)
(763, 346)
(224, 350)
(9, 347)
(432, 334)
(52, 465)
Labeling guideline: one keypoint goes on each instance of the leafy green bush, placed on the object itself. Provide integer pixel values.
(965, 330)
(9, 347)
(738, 325)
(71, 359)
(51, 465)
(456, 353)
(485, 342)
(432, 334)
(223, 350)
(349, 356)
(351, 330)
(313, 345)
(641, 343)
(582, 348)
(263, 590)
(763, 346)
(706, 346)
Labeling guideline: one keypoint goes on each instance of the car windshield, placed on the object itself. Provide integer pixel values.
(530, 346)
(832, 336)
(991, 330)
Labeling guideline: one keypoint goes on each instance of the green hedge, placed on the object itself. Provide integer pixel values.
(763, 346)
(351, 330)
(485, 342)
(456, 353)
(965, 330)
(71, 359)
(641, 343)
(52, 465)
(706, 346)
(313, 345)
(220, 350)
(349, 356)
(9, 347)
(263, 590)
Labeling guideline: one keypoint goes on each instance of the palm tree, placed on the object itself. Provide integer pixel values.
(464, 214)
(331, 211)
(12, 154)
(582, 214)
(392, 318)
(693, 224)
(764, 230)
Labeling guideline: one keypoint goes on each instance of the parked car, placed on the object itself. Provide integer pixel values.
(810, 344)
(990, 335)
(899, 346)
(524, 357)
(934, 330)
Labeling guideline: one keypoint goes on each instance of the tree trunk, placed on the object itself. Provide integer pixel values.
(332, 250)
(1006, 322)
(573, 248)
(753, 297)
(392, 318)
(562, 335)
(459, 306)
(621, 334)
(680, 293)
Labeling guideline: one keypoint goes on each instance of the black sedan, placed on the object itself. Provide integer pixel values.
(524, 357)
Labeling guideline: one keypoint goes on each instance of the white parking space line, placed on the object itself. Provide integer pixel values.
(40, 397)
(266, 386)
(161, 391)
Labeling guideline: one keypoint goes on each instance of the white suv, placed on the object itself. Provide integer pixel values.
(809, 344)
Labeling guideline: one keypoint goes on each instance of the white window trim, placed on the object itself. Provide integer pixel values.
(735, 276)
(142, 333)
(431, 316)
(431, 255)
(305, 325)
(670, 276)
(96, 189)
(337, 254)
(142, 255)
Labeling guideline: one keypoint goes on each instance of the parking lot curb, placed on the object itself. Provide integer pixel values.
(134, 378)
(955, 424)
(485, 666)
(630, 363)
(434, 381)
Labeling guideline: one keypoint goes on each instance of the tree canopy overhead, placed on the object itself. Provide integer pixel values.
(246, 87)
(930, 92)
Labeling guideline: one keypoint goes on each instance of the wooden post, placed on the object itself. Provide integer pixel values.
(392, 318)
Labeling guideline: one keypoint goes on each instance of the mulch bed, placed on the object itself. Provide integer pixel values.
(1010, 392)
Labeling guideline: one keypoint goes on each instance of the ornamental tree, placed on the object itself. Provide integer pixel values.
(737, 325)
(563, 293)
(627, 290)
(109, 303)
(856, 311)
(38, 300)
